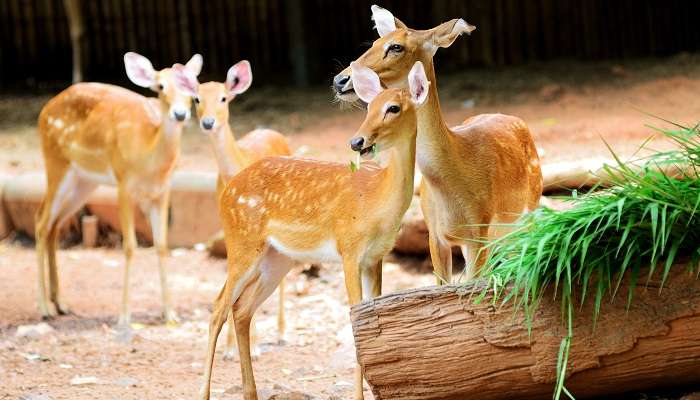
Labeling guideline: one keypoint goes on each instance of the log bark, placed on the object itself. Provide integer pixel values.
(436, 343)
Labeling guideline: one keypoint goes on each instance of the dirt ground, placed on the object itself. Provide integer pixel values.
(568, 107)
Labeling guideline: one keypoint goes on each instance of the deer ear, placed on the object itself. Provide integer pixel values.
(365, 82)
(185, 80)
(446, 33)
(418, 83)
(384, 20)
(139, 70)
(239, 78)
(195, 64)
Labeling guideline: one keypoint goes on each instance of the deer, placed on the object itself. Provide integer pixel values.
(212, 106)
(282, 209)
(478, 177)
(99, 134)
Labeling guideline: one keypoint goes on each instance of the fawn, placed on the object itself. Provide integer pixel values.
(477, 177)
(212, 106)
(284, 209)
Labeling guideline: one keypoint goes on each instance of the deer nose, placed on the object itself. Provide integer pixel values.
(339, 82)
(356, 143)
(208, 123)
(180, 115)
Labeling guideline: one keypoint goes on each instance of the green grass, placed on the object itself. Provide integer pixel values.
(646, 219)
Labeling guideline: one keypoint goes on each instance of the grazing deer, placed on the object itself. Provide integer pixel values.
(283, 209)
(93, 134)
(212, 105)
(476, 176)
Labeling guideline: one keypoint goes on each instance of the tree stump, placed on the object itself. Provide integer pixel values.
(436, 343)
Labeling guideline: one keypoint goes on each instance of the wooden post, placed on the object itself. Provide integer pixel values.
(77, 29)
(436, 343)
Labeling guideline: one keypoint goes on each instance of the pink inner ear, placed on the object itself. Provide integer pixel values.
(238, 79)
(185, 82)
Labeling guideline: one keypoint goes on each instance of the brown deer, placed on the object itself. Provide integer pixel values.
(212, 105)
(283, 209)
(93, 134)
(476, 176)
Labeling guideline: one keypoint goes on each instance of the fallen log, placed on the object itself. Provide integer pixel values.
(436, 343)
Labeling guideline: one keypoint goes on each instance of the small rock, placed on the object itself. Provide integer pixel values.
(35, 357)
(84, 380)
(291, 396)
(32, 396)
(126, 382)
(343, 384)
(33, 331)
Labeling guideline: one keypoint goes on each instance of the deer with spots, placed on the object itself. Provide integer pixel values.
(477, 177)
(212, 105)
(97, 134)
(283, 209)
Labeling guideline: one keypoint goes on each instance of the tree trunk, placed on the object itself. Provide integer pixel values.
(436, 343)
(77, 29)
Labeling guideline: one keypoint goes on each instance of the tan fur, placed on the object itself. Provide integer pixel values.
(286, 208)
(485, 172)
(232, 156)
(93, 133)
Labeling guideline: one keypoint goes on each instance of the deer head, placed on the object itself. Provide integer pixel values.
(141, 72)
(398, 48)
(212, 98)
(391, 114)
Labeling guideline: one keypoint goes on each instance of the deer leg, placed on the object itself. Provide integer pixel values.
(241, 267)
(126, 219)
(271, 270)
(74, 200)
(158, 216)
(440, 252)
(281, 323)
(353, 286)
(475, 253)
(58, 183)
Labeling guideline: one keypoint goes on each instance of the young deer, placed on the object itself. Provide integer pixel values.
(212, 105)
(93, 134)
(477, 175)
(284, 209)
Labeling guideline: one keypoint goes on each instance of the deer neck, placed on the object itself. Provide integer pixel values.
(169, 135)
(229, 156)
(397, 178)
(433, 134)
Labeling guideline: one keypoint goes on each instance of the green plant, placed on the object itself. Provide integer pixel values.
(648, 218)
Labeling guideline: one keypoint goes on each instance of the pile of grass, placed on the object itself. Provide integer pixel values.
(648, 219)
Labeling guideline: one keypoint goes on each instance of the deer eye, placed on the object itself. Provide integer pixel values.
(223, 99)
(393, 109)
(161, 87)
(196, 100)
(396, 48)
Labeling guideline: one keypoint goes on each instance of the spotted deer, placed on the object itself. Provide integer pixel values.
(212, 105)
(477, 176)
(97, 134)
(283, 209)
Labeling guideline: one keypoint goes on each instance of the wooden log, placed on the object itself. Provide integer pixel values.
(435, 343)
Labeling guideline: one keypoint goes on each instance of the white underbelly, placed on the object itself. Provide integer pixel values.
(327, 251)
(106, 178)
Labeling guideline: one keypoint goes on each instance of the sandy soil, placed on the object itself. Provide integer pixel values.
(568, 108)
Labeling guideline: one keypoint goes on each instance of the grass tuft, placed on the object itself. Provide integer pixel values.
(648, 218)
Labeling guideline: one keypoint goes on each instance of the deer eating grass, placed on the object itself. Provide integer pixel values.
(93, 134)
(283, 209)
(212, 105)
(478, 176)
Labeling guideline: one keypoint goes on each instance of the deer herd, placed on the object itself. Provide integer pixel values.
(277, 209)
